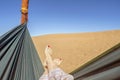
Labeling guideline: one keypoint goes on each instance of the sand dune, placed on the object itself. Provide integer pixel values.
(77, 49)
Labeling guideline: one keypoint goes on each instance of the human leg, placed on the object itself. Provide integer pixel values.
(50, 63)
(55, 73)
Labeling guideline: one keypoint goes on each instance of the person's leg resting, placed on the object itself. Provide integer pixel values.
(50, 63)
(54, 72)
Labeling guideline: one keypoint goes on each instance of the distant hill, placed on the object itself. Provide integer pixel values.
(77, 49)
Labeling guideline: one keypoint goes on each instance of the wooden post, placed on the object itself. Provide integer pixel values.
(24, 11)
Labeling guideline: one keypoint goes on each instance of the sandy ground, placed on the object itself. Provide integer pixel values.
(76, 49)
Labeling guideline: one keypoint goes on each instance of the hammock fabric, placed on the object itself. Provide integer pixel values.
(18, 57)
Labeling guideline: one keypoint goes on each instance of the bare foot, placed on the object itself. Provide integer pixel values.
(57, 61)
(48, 50)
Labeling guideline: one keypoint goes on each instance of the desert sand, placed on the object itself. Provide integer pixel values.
(78, 48)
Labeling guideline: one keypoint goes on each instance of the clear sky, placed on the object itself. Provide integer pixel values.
(62, 16)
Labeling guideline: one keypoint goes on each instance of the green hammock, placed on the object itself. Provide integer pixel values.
(18, 57)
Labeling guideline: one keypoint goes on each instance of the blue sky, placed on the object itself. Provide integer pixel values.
(62, 16)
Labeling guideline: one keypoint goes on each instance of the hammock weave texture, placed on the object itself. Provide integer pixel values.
(18, 57)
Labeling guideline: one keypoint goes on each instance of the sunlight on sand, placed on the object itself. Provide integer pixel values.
(76, 49)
